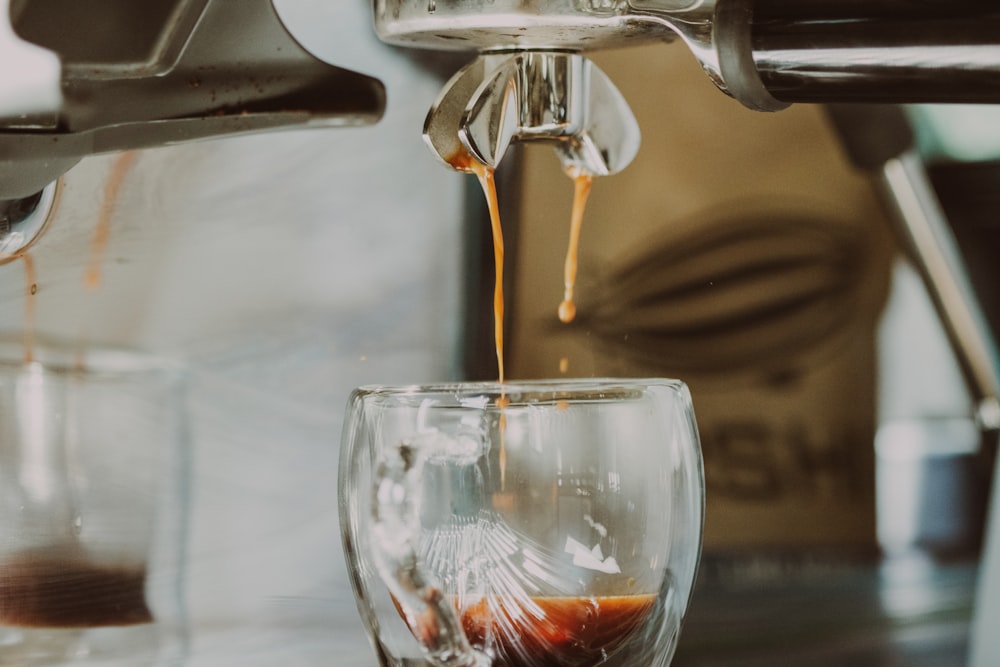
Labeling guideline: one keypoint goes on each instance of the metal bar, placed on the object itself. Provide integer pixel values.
(893, 51)
(935, 253)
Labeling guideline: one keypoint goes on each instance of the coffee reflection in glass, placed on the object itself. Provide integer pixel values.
(522, 524)
(92, 509)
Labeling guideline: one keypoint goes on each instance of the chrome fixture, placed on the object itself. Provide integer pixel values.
(555, 96)
(765, 53)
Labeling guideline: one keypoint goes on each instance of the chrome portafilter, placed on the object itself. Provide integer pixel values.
(552, 96)
(531, 79)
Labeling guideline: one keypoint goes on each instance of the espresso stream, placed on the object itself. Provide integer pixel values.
(464, 162)
(582, 183)
(548, 631)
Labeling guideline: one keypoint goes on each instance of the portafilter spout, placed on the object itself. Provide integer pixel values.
(550, 96)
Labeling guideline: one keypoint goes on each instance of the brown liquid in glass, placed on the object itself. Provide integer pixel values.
(60, 592)
(559, 631)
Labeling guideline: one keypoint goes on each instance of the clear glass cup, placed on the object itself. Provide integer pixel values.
(526, 524)
(93, 506)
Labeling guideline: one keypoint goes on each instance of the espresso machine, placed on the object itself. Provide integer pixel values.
(201, 237)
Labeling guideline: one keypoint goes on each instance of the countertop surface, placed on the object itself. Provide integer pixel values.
(906, 612)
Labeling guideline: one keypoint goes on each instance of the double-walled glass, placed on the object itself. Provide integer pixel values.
(523, 524)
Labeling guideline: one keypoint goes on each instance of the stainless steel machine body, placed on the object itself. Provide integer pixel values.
(755, 50)
(177, 71)
(764, 53)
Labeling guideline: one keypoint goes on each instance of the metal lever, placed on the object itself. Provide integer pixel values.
(879, 139)
(557, 97)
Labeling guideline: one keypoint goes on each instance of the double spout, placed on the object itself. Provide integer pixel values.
(558, 97)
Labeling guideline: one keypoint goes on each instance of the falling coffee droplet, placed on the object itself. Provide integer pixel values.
(567, 309)
(582, 183)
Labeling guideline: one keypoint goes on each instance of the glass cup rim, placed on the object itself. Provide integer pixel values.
(598, 389)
